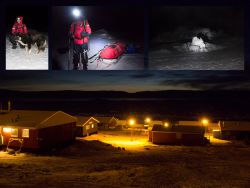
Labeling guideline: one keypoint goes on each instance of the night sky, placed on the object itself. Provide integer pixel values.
(34, 17)
(124, 21)
(130, 81)
(229, 19)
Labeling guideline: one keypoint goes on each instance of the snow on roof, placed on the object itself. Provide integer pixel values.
(81, 120)
(106, 119)
(34, 119)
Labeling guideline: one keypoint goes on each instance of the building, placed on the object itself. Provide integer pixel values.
(178, 134)
(233, 130)
(36, 129)
(86, 126)
(106, 123)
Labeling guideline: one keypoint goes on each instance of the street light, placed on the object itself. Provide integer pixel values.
(204, 121)
(166, 124)
(131, 122)
(147, 120)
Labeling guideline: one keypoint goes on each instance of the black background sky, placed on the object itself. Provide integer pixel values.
(35, 17)
(229, 19)
(124, 21)
(121, 80)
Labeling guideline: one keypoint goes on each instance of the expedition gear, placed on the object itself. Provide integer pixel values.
(79, 38)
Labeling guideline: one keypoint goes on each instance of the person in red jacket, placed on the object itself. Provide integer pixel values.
(79, 32)
(18, 29)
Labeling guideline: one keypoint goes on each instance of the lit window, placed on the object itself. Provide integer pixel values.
(14, 133)
(25, 133)
(6, 130)
(92, 126)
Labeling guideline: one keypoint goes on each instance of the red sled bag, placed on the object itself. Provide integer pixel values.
(112, 51)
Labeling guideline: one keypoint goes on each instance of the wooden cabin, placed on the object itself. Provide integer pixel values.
(36, 129)
(86, 126)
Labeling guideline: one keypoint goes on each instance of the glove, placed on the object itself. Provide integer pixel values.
(84, 34)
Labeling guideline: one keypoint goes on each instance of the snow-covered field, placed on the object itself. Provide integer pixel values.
(20, 59)
(98, 40)
(111, 159)
(172, 51)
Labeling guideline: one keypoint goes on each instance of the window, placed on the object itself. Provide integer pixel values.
(25, 133)
(92, 126)
(14, 132)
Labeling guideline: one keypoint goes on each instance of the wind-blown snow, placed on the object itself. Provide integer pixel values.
(20, 59)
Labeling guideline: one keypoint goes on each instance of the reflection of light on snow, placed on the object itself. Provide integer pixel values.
(127, 143)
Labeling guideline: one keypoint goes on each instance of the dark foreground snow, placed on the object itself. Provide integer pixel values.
(111, 159)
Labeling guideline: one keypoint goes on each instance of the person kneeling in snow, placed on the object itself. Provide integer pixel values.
(197, 45)
(19, 29)
(79, 33)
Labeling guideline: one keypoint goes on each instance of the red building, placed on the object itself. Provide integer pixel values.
(36, 129)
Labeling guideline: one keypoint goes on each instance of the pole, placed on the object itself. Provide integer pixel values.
(69, 53)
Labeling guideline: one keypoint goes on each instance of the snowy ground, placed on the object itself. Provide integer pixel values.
(20, 59)
(168, 52)
(97, 42)
(93, 162)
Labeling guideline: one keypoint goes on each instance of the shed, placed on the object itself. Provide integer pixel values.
(86, 126)
(36, 129)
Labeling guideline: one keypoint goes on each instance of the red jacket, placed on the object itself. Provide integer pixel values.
(76, 30)
(19, 28)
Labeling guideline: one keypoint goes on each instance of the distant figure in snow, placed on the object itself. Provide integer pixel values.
(197, 45)
(79, 33)
(19, 29)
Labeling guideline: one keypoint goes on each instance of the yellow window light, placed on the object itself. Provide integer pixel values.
(25, 133)
(7, 130)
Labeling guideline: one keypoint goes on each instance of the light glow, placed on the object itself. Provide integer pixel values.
(204, 121)
(166, 124)
(148, 120)
(6, 130)
(76, 12)
(131, 122)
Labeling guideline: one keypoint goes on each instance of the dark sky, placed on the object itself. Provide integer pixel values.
(124, 21)
(130, 81)
(229, 19)
(35, 17)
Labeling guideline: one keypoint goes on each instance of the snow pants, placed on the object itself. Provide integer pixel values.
(80, 57)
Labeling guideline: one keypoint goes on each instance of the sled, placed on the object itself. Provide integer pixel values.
(110, 54)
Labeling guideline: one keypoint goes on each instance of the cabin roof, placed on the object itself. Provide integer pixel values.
(81, 120)
(34, 119)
